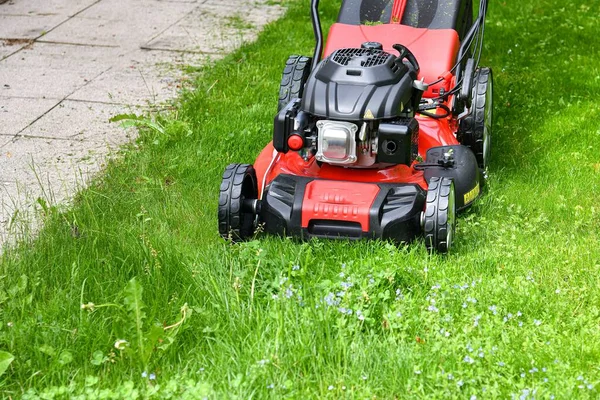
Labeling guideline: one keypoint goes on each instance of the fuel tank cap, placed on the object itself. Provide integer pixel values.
(372, 46)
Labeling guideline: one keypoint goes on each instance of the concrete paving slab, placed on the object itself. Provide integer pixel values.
(125, 24)
(8, 47)
(17, 113)
(64, 57)
(141, 78)
(41, 82)
(215, 28)
(87, 122)
(44, 8)
(28, 26)
(52, 71)
(46, 169)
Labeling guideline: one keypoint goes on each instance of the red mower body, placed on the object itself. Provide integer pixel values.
(301, 194)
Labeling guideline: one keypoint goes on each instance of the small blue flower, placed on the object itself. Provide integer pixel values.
(295, 267)
(152, 377)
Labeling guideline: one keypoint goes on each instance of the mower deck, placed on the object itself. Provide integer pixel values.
(307, 207)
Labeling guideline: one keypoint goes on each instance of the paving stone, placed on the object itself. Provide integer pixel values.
(52, 71)
(86, 122)
(27, 26)
(45, 7)
(17, 113)
(141, 78)
(215, 28)
(8, 47)
(119, 23)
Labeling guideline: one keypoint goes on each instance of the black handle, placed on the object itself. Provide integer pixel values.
(406, 53)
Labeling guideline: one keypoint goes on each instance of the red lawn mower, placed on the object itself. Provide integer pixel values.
(383, 134)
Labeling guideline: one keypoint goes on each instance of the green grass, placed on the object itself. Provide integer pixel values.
(513, 310)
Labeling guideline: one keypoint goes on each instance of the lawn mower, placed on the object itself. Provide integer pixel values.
(383, 133)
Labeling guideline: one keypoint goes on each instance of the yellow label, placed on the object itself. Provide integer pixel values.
(369, 115)
(472, 194)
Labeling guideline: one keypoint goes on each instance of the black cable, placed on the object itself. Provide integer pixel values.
(444, 107)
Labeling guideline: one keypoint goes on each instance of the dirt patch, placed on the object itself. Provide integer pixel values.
(16, 42)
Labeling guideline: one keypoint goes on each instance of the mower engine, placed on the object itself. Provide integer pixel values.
(357, 110)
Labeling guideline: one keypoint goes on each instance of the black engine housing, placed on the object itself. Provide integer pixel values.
(359, 84)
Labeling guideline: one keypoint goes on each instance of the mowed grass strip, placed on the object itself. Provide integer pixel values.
(131, 293)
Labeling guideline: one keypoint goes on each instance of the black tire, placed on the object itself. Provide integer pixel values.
(238, 189)
(475, 130)
(439, 221)
(295, 74)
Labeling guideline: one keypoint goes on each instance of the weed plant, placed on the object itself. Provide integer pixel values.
(131, 293)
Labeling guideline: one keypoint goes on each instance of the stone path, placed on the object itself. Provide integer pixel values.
(67, 66)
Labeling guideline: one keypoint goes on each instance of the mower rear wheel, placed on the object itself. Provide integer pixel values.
(295, 75)
(439, 221)
(237, 202)
(476, 129)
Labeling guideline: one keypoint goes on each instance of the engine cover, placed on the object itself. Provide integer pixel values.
(359, 84)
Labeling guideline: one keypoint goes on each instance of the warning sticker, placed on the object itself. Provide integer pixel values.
(472, 194)
(369, 115)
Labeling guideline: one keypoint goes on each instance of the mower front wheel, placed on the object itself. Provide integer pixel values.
(294, 76)
(439, 220)
(475, 130)
(238, 198)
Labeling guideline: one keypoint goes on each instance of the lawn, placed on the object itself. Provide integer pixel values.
(131, 292)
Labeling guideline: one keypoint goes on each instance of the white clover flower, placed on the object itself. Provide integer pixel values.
(330, 387)
(121, 344)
